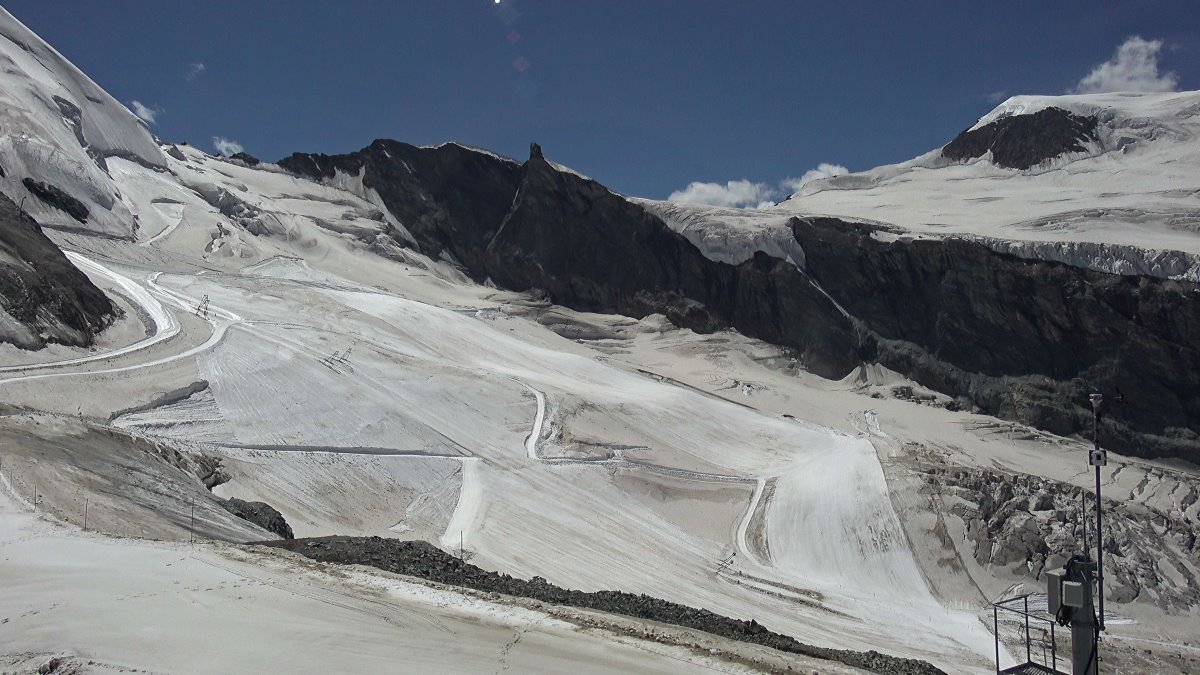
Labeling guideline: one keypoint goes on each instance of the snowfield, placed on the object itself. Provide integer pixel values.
(278, 345)
(211, 608)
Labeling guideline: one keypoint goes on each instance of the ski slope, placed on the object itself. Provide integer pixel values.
(431, 383)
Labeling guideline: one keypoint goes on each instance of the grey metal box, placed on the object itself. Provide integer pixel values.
(1054, 581)
(1073, 594)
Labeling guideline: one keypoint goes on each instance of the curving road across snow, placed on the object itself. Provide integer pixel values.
(742, 540)
(164, 324)
(538, 421)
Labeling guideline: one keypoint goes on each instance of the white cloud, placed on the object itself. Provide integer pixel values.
(226, 147)
(823, 170)
(147, 114)
(745, 194)
(1133, 68)
(194, 70)
(736, 193)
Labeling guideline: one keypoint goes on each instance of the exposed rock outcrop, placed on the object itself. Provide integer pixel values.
(43, 297)
(1023, 141)
(54, 196)
(261, 514)
(1022, 339)
(245, 158)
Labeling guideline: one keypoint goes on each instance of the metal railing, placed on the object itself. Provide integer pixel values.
(1035, 629)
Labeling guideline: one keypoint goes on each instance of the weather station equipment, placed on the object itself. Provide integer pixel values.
(1074, 595)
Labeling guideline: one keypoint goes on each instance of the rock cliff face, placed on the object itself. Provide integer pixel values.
(533, 226)
(1022, 141)
(1021, 339)
(43, 297)
(450, 198)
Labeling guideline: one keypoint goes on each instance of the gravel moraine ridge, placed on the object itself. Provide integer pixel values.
(423, 560)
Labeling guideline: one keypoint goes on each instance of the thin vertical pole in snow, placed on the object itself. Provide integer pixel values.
(996, 630)
(192, 526)
(85, 510)
(1028, 658)
(1053, 648)
(461, 555)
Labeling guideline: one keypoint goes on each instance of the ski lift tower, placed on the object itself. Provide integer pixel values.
(1069, 596)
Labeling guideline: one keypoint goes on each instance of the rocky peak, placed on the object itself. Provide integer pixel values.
(535, 152)
(1022, 141)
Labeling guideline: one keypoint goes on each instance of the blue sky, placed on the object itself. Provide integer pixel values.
(646, 96)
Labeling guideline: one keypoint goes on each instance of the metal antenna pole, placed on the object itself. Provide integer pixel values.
(1098, 460)
(1083, 520)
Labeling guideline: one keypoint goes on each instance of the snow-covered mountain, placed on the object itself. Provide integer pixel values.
(788, 419)
(1131, 184)
(1117, 193)
(59, 131)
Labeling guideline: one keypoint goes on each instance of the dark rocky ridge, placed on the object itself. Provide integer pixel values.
(533, 227)
(1020, 339)
(50, 299)
(451, 198)
(246, 158)
(423, 560)
(1022, 141)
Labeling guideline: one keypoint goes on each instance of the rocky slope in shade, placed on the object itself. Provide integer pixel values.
(535, 227)
(1021, 339)
(43, 297)
(450, 198)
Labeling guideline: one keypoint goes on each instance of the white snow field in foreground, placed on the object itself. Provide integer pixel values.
(119, 605)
